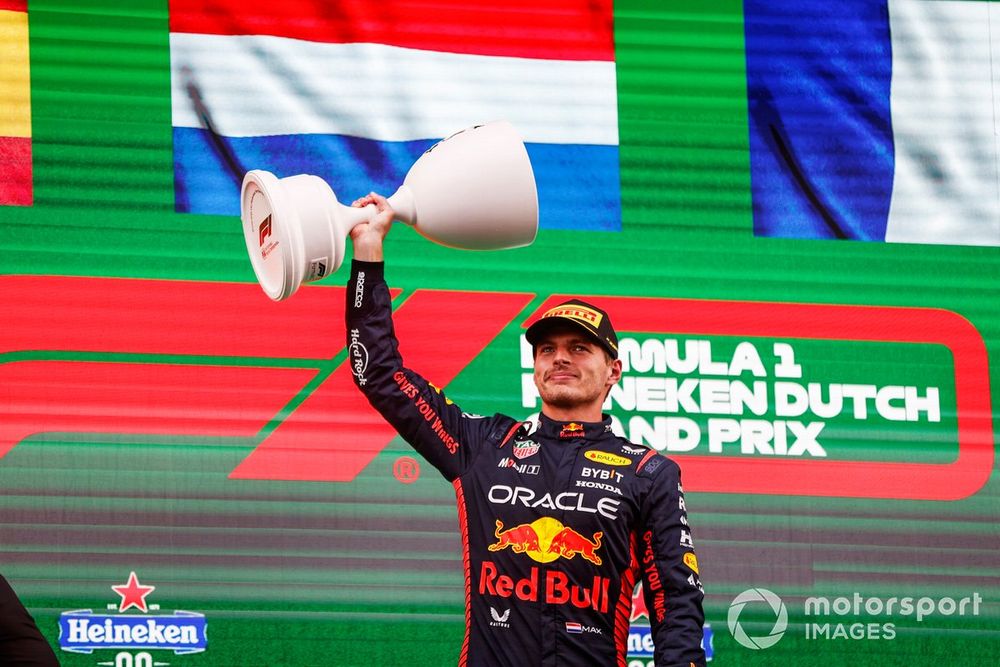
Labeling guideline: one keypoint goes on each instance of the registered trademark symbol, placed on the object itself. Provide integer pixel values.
(406, 469)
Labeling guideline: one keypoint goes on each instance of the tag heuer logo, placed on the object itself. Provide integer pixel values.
(523, 450)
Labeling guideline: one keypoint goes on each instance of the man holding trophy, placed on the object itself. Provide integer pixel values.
(559, 517)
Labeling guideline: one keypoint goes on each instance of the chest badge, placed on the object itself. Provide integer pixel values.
(525, 448)
(607, 458)
(571, 430)
(547, 539)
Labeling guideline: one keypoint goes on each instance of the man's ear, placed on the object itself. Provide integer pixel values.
(616, 371)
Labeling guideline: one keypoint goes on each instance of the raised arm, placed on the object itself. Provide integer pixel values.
(436, 427)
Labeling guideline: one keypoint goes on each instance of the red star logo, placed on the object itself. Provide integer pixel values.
(638, 605)
(133, 593)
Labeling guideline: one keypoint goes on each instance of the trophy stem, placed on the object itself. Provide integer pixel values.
(403, 204)
(349, 217)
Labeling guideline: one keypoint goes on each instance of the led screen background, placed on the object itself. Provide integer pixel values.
(163, 417)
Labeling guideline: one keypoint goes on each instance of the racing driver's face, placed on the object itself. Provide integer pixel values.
(573, 374)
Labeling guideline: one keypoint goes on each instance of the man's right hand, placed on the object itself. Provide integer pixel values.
(368, 236)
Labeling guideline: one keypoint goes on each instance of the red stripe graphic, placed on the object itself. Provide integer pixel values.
(14, 5)
(15, 171)
(88, 315)
(154, 399)
(169, 317)
(104, 315)
(650, 454)
(334, 434)
(463, 527)
(623, 608)
(863, 479)
(551, 29)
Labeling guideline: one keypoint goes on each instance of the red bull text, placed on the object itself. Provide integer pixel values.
(557, 588)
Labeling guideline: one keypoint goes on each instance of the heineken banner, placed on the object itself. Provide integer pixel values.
(789, 209)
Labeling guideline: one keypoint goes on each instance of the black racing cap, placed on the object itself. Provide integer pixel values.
(582, 315)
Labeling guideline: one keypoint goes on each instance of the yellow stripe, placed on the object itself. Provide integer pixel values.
(15, 81)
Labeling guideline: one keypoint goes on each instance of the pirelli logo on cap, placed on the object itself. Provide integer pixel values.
(581, 313)
(591, 319)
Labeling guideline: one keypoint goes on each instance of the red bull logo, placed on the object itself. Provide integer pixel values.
(547, 539)
(519, 538)
(571, 430)
(568, 543)
(555, 589)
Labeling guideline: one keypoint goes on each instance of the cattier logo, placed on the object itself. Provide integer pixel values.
(607, 458)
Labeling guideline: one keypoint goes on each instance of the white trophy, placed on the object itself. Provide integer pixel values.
(474, 190)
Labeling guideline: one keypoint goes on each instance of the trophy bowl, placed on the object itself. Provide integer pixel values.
(474, 190)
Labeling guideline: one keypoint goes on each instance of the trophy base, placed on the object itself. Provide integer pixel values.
(288, 232)
(296, 230)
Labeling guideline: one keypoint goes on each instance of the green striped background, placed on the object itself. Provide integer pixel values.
(367, 573)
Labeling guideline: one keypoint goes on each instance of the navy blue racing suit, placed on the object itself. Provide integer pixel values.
(558, 520)
(21, 643)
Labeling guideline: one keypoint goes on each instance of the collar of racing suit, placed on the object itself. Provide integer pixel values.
(550, 428)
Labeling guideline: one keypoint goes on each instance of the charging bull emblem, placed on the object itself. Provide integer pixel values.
(568, 543)
(547, 539)
(519, 538)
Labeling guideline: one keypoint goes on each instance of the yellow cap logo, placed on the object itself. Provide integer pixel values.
(581, 313)
(608, 458)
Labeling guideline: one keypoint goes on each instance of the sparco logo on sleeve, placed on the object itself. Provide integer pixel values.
(359, 290)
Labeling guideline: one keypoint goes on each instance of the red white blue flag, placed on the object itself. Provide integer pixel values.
(355, 91)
